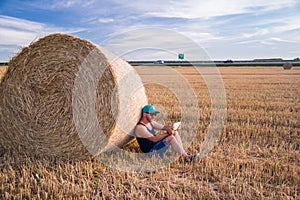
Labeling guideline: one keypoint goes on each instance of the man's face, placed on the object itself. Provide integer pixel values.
(150, 116)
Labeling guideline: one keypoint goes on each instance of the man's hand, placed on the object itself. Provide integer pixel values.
(169, 129)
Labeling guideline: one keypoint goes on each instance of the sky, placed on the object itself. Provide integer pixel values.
(154, 30)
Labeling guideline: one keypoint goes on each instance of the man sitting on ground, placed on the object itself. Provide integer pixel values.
(150, 142)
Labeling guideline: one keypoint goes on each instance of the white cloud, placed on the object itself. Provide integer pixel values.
(202, 38)
(259, 32)
(11, 22)
(139, 42)
(16, 37)
(106, 20)
(276, 26)
(201, 25)
(247, 42)
(63, 4)
(193, 9)
(60, 4)
(276, 39)
(16, 32)
(215, 24)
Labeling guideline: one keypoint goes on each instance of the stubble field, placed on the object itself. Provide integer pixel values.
(256, 157)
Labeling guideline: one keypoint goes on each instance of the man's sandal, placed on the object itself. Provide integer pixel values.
(192, 158)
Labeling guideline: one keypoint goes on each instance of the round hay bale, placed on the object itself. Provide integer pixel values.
(287, 65)
(41, 87)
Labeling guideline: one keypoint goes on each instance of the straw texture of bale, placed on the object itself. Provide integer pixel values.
(287, 65)
(37, 99)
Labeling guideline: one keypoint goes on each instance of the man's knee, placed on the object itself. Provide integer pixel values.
(169, 139)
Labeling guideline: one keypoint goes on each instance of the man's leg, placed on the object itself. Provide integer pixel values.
(176, 145)
(178, 138)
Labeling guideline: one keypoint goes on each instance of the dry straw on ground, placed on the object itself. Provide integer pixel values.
(37, 98)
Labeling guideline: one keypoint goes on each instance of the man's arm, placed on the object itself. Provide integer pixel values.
(158, 137)
(142, 132)
(167, 128)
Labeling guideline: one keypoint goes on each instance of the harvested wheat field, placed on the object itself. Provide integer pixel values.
(257, 156)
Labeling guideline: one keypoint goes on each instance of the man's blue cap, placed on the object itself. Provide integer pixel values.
(149, 109)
